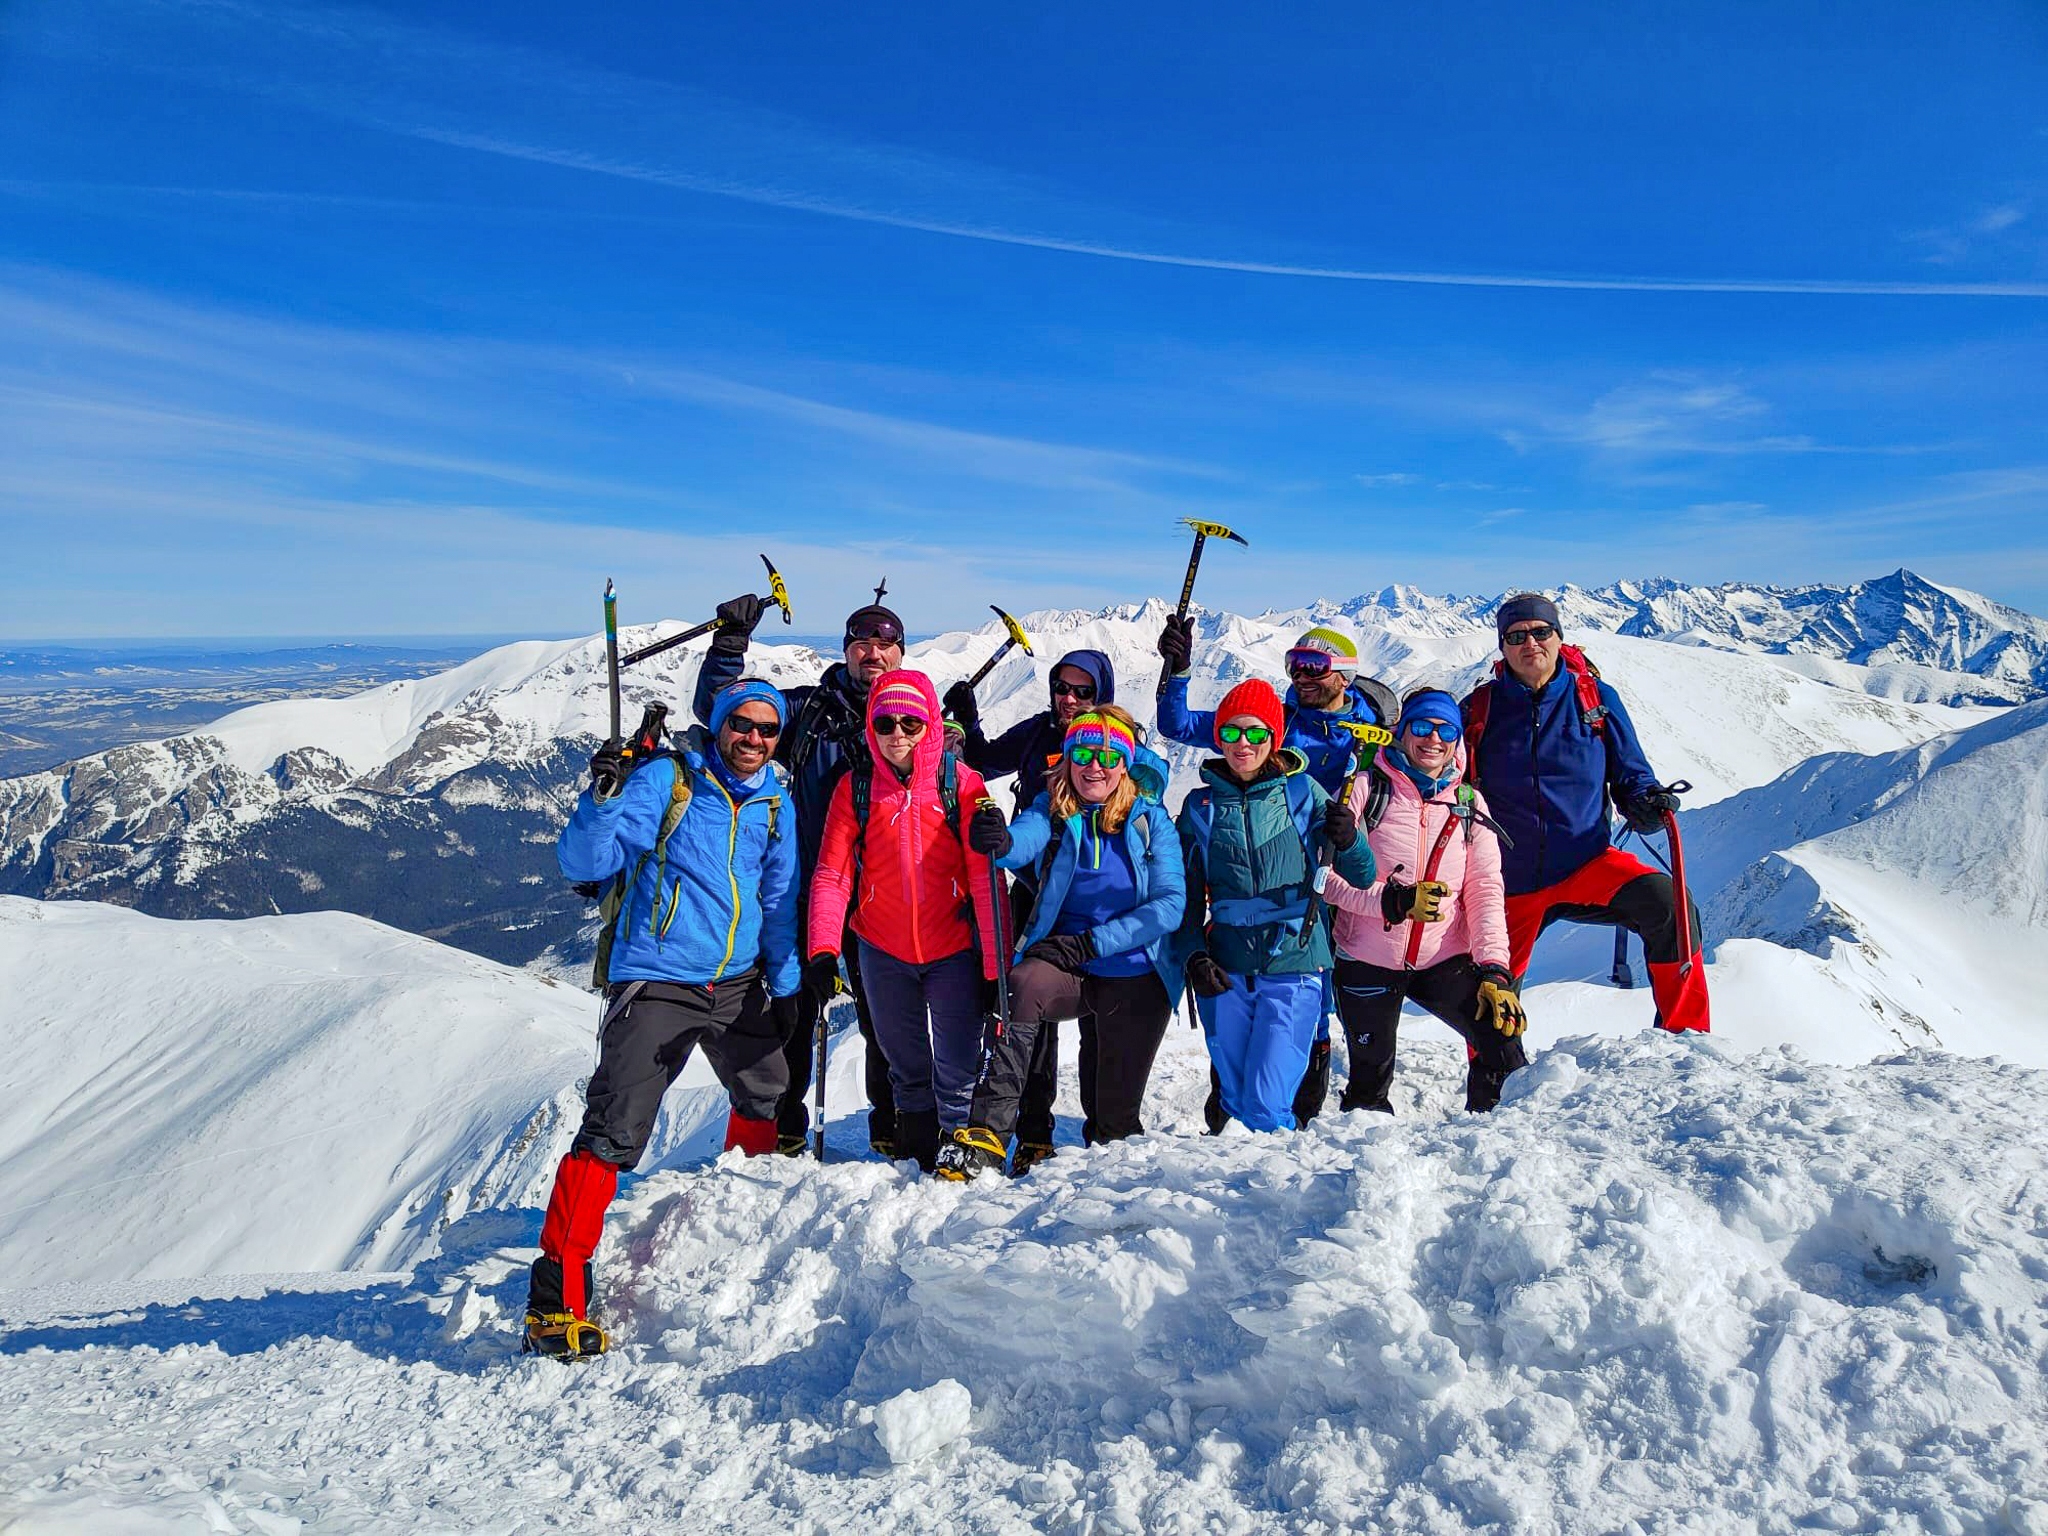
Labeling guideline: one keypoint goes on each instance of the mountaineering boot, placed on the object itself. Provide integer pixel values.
(1029, 1155)
(917, 1136)
(551, 1328)
(756, 1138)
(584, 1186)
(971, 1150)
(792, 1146)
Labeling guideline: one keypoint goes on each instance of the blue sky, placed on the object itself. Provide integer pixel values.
(413, 320)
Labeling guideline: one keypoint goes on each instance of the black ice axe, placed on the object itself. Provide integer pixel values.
(1203, 533)
(778, 594)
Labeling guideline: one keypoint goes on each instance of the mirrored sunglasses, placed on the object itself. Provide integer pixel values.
(1106, 757)
(889, 725)
(1257, 735)
(881, 630)
(1537, 632)
(1316, 663)
(1442, 730)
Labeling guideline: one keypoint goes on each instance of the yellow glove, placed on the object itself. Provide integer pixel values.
(1429, 901)
(1499, 1007)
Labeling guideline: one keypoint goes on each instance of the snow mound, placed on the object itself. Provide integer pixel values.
(316, 1092)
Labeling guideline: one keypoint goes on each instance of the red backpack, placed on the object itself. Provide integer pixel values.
(1585, 681)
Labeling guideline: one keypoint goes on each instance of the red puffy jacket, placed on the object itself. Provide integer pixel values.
(923, 893)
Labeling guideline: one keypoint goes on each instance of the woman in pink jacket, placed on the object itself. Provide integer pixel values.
(921, 913)
(1439, 937)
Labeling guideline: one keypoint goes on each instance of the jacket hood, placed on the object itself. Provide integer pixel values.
(1216, 771)
(931, 746)
(1099, 670)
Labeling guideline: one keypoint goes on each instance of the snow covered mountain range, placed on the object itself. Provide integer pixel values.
(431, 804)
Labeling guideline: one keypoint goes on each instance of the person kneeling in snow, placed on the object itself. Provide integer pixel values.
(1256, 941)
(1439, 938)
(1109, 897)
(1550, 744)
(702, 953)
(923, 897)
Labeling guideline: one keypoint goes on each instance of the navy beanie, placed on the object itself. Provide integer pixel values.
(1526, 608)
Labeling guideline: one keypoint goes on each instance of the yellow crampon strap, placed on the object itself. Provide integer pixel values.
(565, 1335)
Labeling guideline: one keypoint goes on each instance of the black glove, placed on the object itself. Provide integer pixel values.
(987, 833)
(737, 617)
(785, 1015)
(1339, 825)
(1177, 645)
(821, 978)
(1645, 813)
(1063, 951)
(608, 772)
(959, 704)
(1207, 977)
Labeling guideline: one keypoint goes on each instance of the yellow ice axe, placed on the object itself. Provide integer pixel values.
(1203, 533)
(1017, 637)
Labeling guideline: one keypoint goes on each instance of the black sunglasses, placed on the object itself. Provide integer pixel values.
(767, 730)
(889, 725)
(1537, 632)
(1062, 689)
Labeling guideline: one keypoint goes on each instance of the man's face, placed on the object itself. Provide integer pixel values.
(869, 659)
(1530, 649)
(1080, 694)
(1318, 690)
(746, 738)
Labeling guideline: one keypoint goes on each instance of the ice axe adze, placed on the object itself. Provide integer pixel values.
(1203, 533)
(1017, 637)
(778, 594)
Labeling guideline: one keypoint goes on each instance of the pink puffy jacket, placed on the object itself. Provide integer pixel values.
(1475, 913)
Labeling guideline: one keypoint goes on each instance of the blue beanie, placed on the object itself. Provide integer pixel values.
(1428, 704)
(733, 695)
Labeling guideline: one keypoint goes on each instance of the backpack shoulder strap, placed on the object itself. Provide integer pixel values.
(1379, 793)
(1478, 705)
(949, 790)
(1586, 683)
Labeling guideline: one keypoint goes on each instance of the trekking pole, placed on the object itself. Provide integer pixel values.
(1366, 740)
(1621, 976)
(611, 654)
(1681, 900)
(1017, 637)
(821, 1049)
(778, 594)
(1203, 533)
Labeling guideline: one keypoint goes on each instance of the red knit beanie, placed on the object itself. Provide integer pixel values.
(1256, 698)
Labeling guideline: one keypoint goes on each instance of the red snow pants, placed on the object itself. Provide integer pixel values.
(1618, 890)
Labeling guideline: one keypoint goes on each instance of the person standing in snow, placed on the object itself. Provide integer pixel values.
(1551, 745)
(1324, 694)
(827, 736)
(894, 858)
(1255, 941)
(1081, 680)
(1110, 895)
(703, 952)
(1438, 938)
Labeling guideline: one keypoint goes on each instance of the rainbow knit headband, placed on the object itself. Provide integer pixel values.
(901, 697)
(1093, 730)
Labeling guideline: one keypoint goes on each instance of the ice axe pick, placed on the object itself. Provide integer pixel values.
(1203, 533)
(778, 594)
(1017, 637)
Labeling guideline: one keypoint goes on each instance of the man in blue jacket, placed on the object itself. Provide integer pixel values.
(1550, 746)
(1324, 693)
(702, 953)
(826, 735)
(1080, 680)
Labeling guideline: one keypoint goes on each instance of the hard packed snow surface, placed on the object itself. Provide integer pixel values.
(1669, 1286)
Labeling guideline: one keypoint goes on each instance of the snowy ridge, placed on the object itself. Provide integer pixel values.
(307, 1093)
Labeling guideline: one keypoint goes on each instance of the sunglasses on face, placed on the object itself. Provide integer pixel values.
(1315, 663)
(1101, 757)
(1062, 689)
(889, 725)
(1537, 632)
(766, 730)
(881, 631)
(1443, 730)
(1257, 735)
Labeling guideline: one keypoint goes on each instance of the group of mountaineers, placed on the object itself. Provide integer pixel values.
(1345, 852)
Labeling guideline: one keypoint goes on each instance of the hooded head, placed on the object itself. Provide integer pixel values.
(904, 694)
(1100, 674)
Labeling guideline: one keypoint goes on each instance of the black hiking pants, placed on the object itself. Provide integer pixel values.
(793, 1119)
(1369, 999)
(1035, 1119)
(1130, 1020)
(649, 1032)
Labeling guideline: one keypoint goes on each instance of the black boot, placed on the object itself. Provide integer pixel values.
(1214, 1116)
(1314, 1091)
(917, 1136)
(551, 1329)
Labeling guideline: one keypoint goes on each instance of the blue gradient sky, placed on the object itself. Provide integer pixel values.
(350, 321)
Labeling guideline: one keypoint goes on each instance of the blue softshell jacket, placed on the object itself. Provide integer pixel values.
(1548, 776)
(727, 900)
(1154, 849)
(1311, 732)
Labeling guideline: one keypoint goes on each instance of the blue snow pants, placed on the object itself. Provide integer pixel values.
(1259, 1035)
